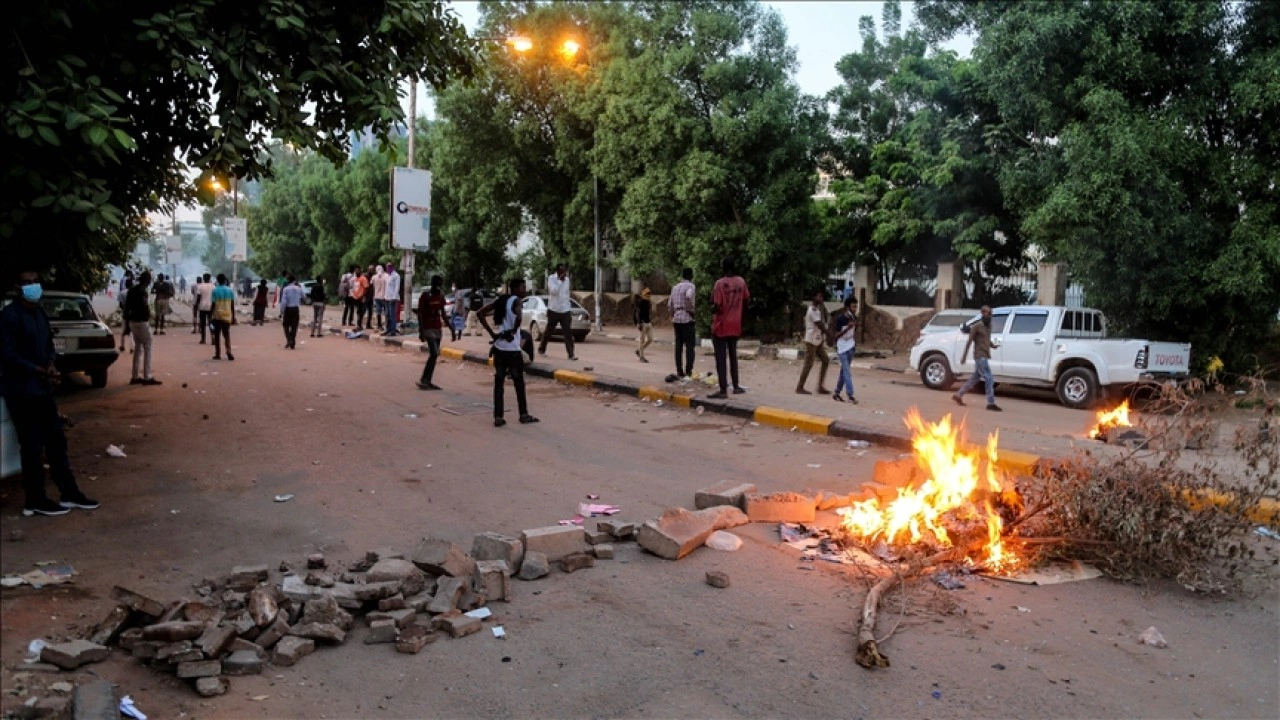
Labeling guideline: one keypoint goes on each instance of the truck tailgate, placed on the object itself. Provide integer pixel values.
(1164, 357)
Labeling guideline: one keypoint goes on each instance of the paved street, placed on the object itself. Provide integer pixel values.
(333, 424)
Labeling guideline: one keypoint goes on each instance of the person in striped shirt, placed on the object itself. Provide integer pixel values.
(681, 305)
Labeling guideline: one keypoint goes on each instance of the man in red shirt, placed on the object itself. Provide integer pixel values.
(431, 320)
(728, 298)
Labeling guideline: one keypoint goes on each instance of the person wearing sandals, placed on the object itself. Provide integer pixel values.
(508, 358)
(845, 330)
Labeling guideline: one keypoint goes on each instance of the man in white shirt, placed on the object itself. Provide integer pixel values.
(507, 358)
(392, 300)
(204, 303)
(558, 311)
(815, 338)
(379, 283)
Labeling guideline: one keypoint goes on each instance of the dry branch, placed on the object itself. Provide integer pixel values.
(868, 654)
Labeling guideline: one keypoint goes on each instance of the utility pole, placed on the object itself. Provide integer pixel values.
(595, 179)
(406, 259)
(235, 213)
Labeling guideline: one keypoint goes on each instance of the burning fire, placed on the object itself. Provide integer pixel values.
(1107, 419)
(962, 490)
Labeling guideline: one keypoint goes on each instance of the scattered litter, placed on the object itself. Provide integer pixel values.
(411, 416)
(859, 444)
(174, 512)
(128, 709)
(721, 540)
(115, 452)
(62, 687)
(1240, 392)
(55, 575)
(479, 613)
(34, 648)
(948, 581)
(755, 424)
(1151, 636)
(700, 410)
(311, 409)
(1019, 608)
(323, 395)
(1267, 533)
(998, 666)
(658, 403)
(937, 694)
(794, 428)
(283, 498)
(1052, 574)
(588, 368)
(815, 465)
(353, 334)
(698, 652)
(575, 520)
(500, 633)
(593, 497)
(259, 698)
(591, 510)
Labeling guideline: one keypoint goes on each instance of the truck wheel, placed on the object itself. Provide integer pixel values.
(1078, 388)
(98, 378)
(935, 373)
(535, 332)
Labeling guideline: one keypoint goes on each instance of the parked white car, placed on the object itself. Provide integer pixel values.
(535, 318)
(1066, 349)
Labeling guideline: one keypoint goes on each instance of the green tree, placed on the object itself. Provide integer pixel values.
(110, 102)
(1139, 145)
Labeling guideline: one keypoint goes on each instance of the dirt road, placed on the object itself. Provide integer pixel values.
(633, 637)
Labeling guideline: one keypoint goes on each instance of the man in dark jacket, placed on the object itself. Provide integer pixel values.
(27, 378)
(137, 314)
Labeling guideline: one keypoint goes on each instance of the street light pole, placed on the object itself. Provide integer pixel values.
(595, 181)
(235, 213)
(406, 258)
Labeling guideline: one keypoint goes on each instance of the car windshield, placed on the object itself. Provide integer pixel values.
(68, 308)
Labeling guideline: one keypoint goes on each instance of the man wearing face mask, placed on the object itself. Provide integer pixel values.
(980, 341)
(27, 378)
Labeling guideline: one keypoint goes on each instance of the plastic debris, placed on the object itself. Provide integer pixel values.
(411, 416)
(499, 632)
(283, 498)
(479, 613)
(1267, 532)
(575, 520)
(1019, 608)
(859, 444)
(591, 510)
(128, 709)
(947, 581)
(700, 410)
(593, 497)
(815, 465)
(115, 452)
(721, 540)
(34, 648)
(1151, 636)
(55, 575)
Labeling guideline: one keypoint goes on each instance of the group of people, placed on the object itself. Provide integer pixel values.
(821, 331)
(371, 296)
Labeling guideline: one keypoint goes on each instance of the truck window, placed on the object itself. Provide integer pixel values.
(1069, 320)
(997, 322)
(1029, 323)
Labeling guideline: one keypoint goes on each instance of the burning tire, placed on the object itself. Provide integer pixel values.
(935, 372)
(1078, 388)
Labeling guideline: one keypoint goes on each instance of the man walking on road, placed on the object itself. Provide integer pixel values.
(138, 315)
(980, 341)
(815, 338)
(290, 308)
(318, 298)
(163, 293)
(431, 321)
(559, 311)
(260, 303)
(681, 305)
(222, 317)
(846, 326)
(204, 304)
(475, 303)
(641, 315)
(728, 301)
(392, 301)
(27, 379)
(507, 358)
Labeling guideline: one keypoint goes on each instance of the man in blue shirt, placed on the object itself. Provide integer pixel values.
(290, 308)
(27, 378)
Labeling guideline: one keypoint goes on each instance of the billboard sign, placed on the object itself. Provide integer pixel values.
(237, 238)
(410, 209)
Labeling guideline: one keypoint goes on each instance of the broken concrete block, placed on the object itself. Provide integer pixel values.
(242, 662)
(535, 566)
(323, 579)
(412, 580)
(325, 610)
(717, 579)
(95, 700)
(138, 602)
(273, 632)
(173, 611)
(345, 595)
(492, 579)
(256, 573)
(108, 630)
(145, 649)
(376, 590)
(241, 644)
(781, 507)
(320, 632)
(441, 557)
(173, 631)
(211, 686)
(496, 546)
(199, 669)
(471, 599)
(448, 593)
(55, 707)
(242, 623)
(262, 607)
(618, 529)
(199, 612)
(595, 537)
(128, 638)
(554, 542)
(400, 617)
(186, 656)
(577, 561)
(462, 625)
(900, 473)
(292, 649)
(603, 551)
(418, 602)
(315, 561)
(296, 589)
(678, 532)
(169, 650)
(728, 492)
(413, 639)
(215, 639)
(395, 602)
(832, 501)
(382, 631)
(74, 653)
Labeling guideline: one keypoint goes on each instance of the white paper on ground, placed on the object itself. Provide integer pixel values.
(479, 613)
(498, 632)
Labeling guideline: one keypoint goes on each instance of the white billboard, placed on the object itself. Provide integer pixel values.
(173, 257)
(410, 209)
(237, 235)
(173, 242)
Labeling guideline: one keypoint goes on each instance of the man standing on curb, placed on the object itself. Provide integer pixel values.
(222, 317)
(559, 310)
(728, 301)
(204, 304)
(815, 338)
(359, 288)
(392, 300)
(507, 358)
(379, 293)
(641, 315)
(431, 321)
(370, 293)
(318, 299)
(290, 308)
(27, 379)
(681, 305)
(980, 341)
(138, 315)
(475, 303)
(344, 293)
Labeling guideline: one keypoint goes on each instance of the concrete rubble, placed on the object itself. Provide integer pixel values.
(678, 532)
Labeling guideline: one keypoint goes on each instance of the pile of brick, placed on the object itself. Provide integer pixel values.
(245, 620)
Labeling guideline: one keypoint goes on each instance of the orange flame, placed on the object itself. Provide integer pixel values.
(959, 481)
(1107, 419)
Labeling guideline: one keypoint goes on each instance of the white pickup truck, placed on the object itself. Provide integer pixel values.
(1066, 349)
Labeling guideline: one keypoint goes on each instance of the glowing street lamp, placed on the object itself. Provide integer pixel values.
(520, 43)
(570, 48)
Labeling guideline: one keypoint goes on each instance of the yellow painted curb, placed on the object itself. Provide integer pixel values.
(788, 419)
(572, 377)
(453, 353)
(682, 400)
(1266, 512)
(1020, 463)
(653, 393)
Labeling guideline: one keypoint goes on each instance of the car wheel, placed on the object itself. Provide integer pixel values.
(935, 372)
(98, 378)
(580, 337)
(1078, 388)
(535, 331)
